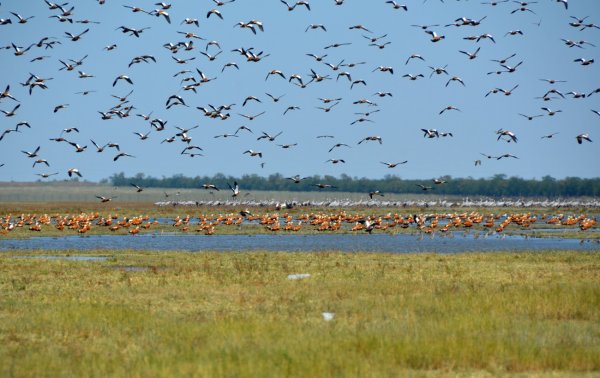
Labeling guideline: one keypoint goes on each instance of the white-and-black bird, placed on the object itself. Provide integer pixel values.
(138, 188)
(235, 189)
(581, 137)
(33, 153)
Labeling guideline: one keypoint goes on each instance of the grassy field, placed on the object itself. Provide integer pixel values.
(86, 192)
(237, 314)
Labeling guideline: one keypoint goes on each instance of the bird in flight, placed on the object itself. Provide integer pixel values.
(296, 179)
(394, 165)
(105, 199)
(549, 136)
(235, 189)
(316, 79)
(581, 137)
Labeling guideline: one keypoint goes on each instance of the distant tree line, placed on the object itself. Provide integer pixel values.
(496, 186)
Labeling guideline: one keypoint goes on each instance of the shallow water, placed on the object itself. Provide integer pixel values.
(448, 243)
(57, 257)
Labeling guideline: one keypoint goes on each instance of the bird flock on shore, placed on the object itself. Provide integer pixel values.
(198, 61)
(340, 221)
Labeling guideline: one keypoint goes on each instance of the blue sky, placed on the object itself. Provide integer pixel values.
(415, 105)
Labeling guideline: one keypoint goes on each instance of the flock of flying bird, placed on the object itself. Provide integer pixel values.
(194, 79)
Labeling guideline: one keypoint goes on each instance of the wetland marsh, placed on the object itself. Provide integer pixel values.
(504, 301)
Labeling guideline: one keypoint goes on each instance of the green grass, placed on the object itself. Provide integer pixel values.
(237, 314)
